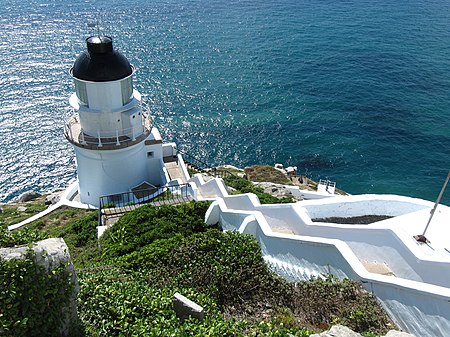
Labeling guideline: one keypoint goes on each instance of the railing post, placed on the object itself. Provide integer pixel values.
(100, 222)
(82, 137)
(70, 130)
(117, 137)
(99, 139)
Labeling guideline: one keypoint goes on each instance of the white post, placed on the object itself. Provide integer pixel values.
(117, 137)
(99, 139)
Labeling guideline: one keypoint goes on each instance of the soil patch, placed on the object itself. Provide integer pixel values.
(355, 220)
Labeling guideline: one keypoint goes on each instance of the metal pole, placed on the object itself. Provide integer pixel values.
(437, 203)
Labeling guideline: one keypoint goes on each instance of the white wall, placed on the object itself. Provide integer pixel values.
(109, 171)
(420, 308)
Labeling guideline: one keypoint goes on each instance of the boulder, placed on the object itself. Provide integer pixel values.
(394, 333)
(185, 308)
(343, 331)
(21, 209)
(338, 331)
(52, 198)
(276, 190)
(28, 196)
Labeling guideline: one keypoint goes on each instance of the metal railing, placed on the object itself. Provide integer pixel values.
(76, 135)
(196, 164)
(115, 205)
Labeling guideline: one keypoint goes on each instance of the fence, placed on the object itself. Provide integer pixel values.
(115, 205)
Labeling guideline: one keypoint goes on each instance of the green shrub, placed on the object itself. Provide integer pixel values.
(32, 300)
(245, 186)
(148, 223)
(19, 236)
(115, 303)
(227, 266)
(332, 301)
(263, 173)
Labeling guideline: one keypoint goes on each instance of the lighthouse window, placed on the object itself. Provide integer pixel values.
(80, 89)
(150, 154)
(127, 89)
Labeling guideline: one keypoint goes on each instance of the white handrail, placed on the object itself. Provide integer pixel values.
(75, 133)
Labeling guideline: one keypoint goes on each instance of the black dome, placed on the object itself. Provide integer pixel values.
(101, 63)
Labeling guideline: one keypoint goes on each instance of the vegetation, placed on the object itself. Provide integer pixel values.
(128, 278)
(10, 215)
(262, 173)
(242, 185)
(33, 301)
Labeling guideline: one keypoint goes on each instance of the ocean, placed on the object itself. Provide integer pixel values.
(354, 91)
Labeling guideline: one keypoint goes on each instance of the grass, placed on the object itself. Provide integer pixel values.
(266, 173)
(10, 215)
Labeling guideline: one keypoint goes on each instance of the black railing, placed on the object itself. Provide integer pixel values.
(114, 205)
(198, 166)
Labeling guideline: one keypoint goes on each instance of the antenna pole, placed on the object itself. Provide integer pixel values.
(437, 203)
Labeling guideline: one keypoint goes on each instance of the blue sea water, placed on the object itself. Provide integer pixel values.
(355, 91)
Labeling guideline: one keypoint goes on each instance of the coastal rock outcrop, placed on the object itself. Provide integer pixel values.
(28, 196)
(276, 190)
(52, 198)
(343, 331)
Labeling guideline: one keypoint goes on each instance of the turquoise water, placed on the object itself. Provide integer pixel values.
(354, 91)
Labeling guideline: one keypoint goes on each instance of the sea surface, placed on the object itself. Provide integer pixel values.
(354, 91)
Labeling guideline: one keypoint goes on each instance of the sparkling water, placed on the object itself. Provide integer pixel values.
(354, 91)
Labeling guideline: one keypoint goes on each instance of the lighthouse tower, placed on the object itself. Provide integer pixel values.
(116, 147)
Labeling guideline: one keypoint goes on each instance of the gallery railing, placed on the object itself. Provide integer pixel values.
(100, 138)
(114, 205)
(196, 165)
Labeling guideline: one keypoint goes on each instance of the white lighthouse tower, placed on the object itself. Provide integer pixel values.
(116, 147)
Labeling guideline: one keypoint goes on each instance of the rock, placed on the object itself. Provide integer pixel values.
(276, 190)
(1, 210)
(343, 331)
(21, 209)
(230, 189)
(338, 331)
(52, 198)
(184, 307)
(394, 333)
(28, 196)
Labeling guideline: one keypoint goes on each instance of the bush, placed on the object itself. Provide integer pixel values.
(32, 300)
(245, 186)
(20, 236)
(262, 173)
(148, 223)
(115, 303)
(322, 302)
(227, 266)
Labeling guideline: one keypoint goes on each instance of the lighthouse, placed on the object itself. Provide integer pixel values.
(116, 147)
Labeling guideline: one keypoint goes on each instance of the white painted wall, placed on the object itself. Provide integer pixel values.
(109, 171)
(349, 206)
(418, 304)
(110, 121)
